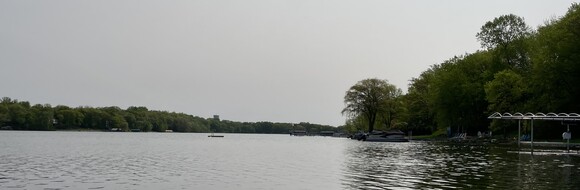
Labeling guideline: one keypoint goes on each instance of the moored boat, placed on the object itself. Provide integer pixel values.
(386, 136)
(212, 135)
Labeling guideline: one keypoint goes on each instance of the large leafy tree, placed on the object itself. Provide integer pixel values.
(69, 118)
(502, 31)
(556, 58)
(419, 110)
(370, 98)
(392, 106)
(457, 93)
(505, 37)
(355, 124)
(41, 117)
(506, 92)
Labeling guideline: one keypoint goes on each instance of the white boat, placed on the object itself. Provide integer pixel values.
(388, 136)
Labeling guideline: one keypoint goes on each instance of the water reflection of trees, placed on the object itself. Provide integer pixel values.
(424, 165)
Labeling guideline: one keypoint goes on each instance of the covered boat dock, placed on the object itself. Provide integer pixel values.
(570, 117)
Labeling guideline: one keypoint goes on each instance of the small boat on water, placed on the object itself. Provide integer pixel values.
(386, 136)
(212, 135)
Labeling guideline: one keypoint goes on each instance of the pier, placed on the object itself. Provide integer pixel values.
(539, 116)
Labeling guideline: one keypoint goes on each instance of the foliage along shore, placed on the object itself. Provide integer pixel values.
(519, 69)
(21, 115)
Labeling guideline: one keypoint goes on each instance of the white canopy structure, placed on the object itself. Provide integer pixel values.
(537, 116)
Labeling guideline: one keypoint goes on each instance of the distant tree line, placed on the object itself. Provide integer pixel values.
(21, 115)
(518, 70)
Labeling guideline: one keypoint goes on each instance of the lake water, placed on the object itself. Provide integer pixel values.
(101, 160)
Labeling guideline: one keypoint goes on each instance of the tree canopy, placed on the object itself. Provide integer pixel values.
(372, 99)
(19, 115)
(502, 31)
(519, 69)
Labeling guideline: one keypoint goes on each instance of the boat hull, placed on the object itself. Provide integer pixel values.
(393, 136)
(382, 139)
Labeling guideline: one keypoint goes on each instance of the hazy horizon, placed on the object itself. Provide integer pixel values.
(249, 61)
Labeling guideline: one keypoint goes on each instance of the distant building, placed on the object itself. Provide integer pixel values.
(216, 117)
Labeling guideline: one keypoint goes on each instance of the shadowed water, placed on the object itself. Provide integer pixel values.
(98, 160)
(424, 165)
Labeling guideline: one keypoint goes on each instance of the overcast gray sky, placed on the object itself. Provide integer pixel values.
(246, 60)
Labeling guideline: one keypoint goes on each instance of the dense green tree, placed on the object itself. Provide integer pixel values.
(117, 121)
(505, 37)
(18, 115)
(506, 92)
(519, 70)
(247, 128)
(181, 124)
(94, 118)
(216, 125)
(141, 118)
(130, 119)
(356, 124)
(264, 127)
(4, 114)
(68, 118)
(556, 59)
(458, 96)
(420, 117)
(392, 107)
(370, 98)
(502, 31)
(200, 124)
(40, 118)
(159, 121)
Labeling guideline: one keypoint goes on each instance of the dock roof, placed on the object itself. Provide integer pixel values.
(536, 116)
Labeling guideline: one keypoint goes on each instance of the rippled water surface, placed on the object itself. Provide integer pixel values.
(99, 160)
